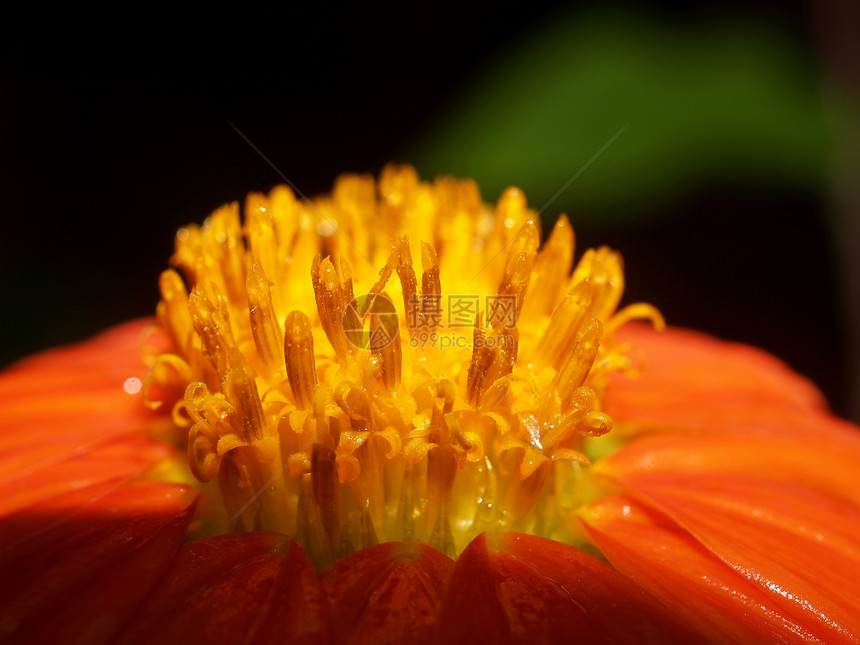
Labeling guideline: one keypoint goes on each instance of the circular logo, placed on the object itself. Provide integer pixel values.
(377, 310)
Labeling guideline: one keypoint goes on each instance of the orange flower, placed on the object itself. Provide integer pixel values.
(391, 482)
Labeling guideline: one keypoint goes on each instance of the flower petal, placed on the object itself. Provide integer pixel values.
(621, 610)
(534, 590)
(238, 588)
(64, 403)
(472, 610)
(740, 499)
(797, 544)
(388, 593)
(701, 589)
(114, 461)
(692, 380)
(822, 454)
(86, 559)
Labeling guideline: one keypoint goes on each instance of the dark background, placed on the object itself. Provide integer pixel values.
(114, 136)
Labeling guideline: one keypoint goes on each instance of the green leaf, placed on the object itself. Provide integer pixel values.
(708, 103)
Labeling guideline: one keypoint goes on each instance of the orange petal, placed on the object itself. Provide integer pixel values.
(620, 610)
(691, 380)
(114, 461)
(822, 454)
(703, 591)
(751, 518)
(99, 365)
(798, 545)
(496, 597)
(74, 566)
(105, 357)
(67, 422)
(63, 402)
(388, 593)
(236, 588)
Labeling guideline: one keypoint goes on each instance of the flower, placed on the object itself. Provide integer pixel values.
(495, 455)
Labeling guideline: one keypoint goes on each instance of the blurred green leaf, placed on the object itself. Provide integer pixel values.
(708, 104)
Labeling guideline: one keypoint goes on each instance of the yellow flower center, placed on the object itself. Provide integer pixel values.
(343, 394)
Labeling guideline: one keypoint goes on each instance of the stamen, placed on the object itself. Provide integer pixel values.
(561, 334)
(408, 281)
(173, 308)
(327, 493)
(462, 413)
(431, 288)
(264, 322)
(299, 358)
(213, 328)
(556, 257)
(241, 391)
(331, 304)
(390, 355)
(604, 268)
(514, 284)
(576, 366)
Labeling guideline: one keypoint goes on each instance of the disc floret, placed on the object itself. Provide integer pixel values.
(341, 392)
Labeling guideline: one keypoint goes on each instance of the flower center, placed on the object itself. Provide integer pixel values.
(337, 397)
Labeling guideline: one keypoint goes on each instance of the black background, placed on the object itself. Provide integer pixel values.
(116, 131)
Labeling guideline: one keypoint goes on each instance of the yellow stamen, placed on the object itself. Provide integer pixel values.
(452, 407)
(299, 358)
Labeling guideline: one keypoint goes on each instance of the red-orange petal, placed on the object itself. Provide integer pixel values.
(535, 590)
(113, 461)
(799, 545)
(238, 588)
(64, 405)
(620, 610)
(388, 593)
(85, 378)
(747, 480)
(691, 380)
(472, 610)
(822, 454)
(66, 421)
(75, 565)
(703, 591)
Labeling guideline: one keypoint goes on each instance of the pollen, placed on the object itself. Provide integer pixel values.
(394, 361)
